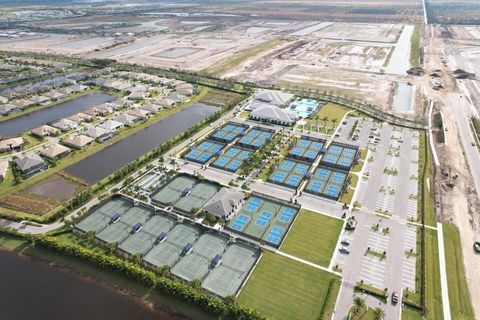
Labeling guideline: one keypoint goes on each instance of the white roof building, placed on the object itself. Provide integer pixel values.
(274, 115)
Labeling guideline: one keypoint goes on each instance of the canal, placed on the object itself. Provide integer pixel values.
(32, 289)
(107, 161)
(15, 126)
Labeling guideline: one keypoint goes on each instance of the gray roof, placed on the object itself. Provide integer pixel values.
(96, 132)
(224, 202)
(28, 161)
(275, 97)
(274, 113)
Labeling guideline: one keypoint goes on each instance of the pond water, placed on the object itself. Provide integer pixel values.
(402, 101)
(32, 289)
(112, 158)
(56, 187)
(15, 126)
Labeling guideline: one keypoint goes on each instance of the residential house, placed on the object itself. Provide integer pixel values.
(45, 131)
(30, 164)
(100, 134)
(111, 125)
(12, 144)
(9, 108)
(165, 102)
(3, 170)
(40, 100)
(127, 119)
(78, 142)
(23, 103)
(54, 150)
(65, 124)
(139, 113)
(152, 108)
(80, 117)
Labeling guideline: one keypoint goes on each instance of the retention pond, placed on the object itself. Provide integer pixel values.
(32, 289)
(103, 163)
(15, 126)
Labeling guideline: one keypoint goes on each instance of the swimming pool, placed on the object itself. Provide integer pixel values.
(304, 107)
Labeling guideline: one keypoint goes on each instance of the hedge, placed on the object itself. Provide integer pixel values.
(134, 271)
(371, 290)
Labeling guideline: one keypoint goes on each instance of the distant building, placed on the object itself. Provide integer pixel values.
(274, 115)
(9, 108)
(30, 164)
(80, 117)
(275, 97)
(152, 108)
(139, 113)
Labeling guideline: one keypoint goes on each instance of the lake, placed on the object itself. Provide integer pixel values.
(15, 126)
(105, 162)
(32, 289)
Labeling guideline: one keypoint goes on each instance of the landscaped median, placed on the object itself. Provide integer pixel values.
(365, 288)
(313, 237)
(282, 288)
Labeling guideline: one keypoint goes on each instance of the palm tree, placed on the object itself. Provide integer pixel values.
(359, 304)
(378, 314)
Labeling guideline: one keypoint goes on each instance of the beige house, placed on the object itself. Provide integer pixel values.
(15, 144)
(78, 142)
(54, 151)
(45, 131)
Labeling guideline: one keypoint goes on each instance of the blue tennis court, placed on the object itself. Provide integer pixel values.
(289, 173)
(232, 159)
(255, 138)
(306, 149)
(340, 156)
(228, 132)
(240, 222)
(275, 235)
(327, 182)
(204, 151)
(264, 219)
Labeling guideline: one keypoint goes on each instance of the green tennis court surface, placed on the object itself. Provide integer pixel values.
(185, 193)
(221, 265)
(263, 219)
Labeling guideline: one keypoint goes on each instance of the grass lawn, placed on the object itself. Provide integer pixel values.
(282, 288)
(410, 314)
(242, 56)
(433, 287)
(459, 296)
(348, 195)
(423, 186)
(330, 116)
(313, 237)
(359, 165)
(415, 46)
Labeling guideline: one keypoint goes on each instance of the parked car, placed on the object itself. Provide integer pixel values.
(351, 225)
(395, 297)
(473, 144)
(345, 242)
(344, 250)
(476, 246)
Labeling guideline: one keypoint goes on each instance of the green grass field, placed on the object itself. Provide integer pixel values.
(330, 115)
(282, 288)
(433, 289)
(459, 296)
(313, 237)
(347, 196)
(415, 46)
